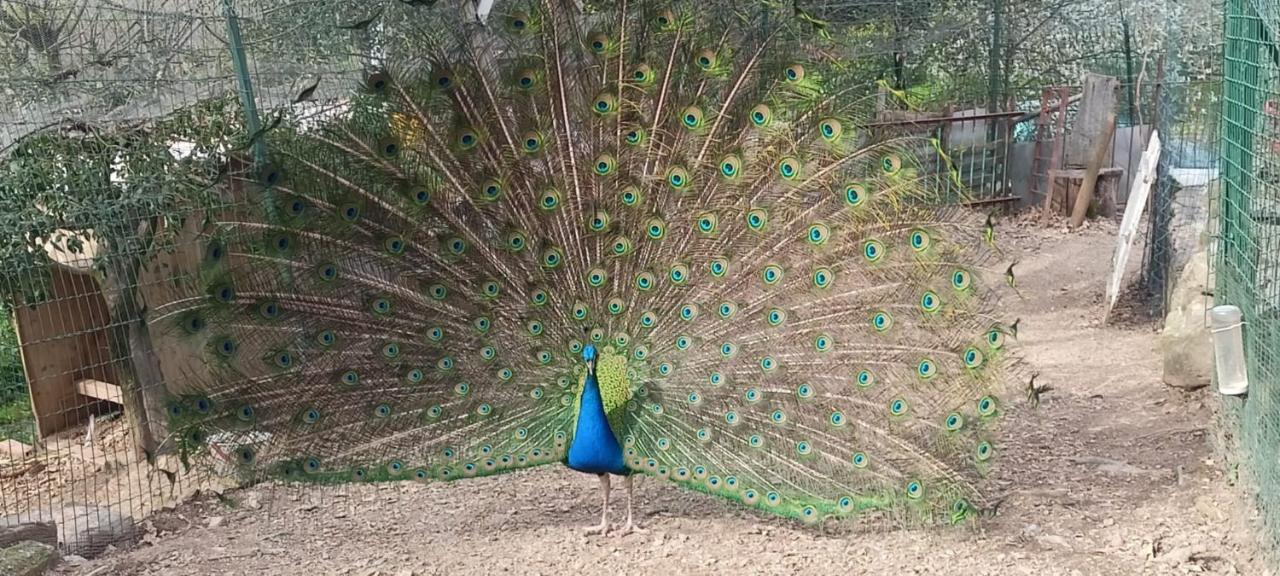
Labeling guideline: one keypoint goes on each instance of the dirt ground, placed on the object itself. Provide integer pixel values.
(1113, 474)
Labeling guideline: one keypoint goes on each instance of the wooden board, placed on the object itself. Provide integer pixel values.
(1096, 104)
(100, 390)
(1142, 183)
(62, 340)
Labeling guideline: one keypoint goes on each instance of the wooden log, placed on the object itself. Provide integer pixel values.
(43, 532)
(1091, 175)
(100, 390)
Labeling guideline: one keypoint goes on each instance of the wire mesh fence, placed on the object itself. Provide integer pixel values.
(124, 121)
(1245, 264)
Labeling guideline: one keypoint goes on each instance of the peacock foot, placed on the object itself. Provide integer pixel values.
(632, 528)
(602, 529)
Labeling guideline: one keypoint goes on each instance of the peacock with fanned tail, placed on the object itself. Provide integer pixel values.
(634, 238)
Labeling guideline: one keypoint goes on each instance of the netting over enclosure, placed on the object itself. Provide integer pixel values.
(1247, 262)
(123, 123)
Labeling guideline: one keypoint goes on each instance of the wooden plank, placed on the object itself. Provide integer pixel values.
(1142, 183)
(100, 390)
(62, 340)
(1097, 104)
(1091, 176)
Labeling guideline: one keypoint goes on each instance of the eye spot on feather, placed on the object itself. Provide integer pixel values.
(986, 406)
(926, 369)
(891, 164)
(718, 267)
(311, 416)
(804, 391)
(768, 364)
(954, 422)
(818, 234)
(597, 277)
(604, 165)
(728, 350)
(831, 129)
(793, 73)
(752, 395)
(866, 378)
(772, 274)
(860, 460)
(730, 166)
(678, 178)
(898, 407)
(822, 343)
(984, 451)
(642, 74)
(664, 19)
(881, 321)
(350, 378)
(761, 116)
(599, 44)
(973, 359)
(552, 258)
(920, 240)
(683, 342)
(823, 277)
(836, 419)
(930, 302)
(605, 104)
(773, 498)
(445, 364)
(789, 168)
(707, 223)
(731, 418)
(414, 376)
(664, 369)
(873, 251)
(656, 229)
(855, 194)
(915, 490)
(679, 274)
(716, 378)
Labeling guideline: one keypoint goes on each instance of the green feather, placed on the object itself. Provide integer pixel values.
(790, 315)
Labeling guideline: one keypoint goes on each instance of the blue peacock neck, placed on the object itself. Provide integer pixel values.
(594, 448)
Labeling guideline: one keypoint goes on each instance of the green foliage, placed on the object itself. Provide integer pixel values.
(61, 189)
(15, 407)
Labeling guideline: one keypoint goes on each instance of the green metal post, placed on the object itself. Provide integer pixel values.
(241, 66)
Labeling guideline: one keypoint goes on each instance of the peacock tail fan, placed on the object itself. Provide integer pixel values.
(790, 311)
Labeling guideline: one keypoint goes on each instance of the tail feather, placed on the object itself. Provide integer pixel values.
(791, 314)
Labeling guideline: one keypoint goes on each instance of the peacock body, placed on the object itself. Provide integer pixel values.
(635, 238)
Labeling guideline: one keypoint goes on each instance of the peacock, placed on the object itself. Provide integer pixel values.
(632, 237)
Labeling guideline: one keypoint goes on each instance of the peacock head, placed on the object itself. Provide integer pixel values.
(589, 355)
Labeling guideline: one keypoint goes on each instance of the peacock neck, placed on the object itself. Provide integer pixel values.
(594, 448)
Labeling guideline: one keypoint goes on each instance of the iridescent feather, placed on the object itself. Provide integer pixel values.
(791, 315)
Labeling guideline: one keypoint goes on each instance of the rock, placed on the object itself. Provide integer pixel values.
(1185, 341)
(215, 521)
(27, 558)
(83, 530)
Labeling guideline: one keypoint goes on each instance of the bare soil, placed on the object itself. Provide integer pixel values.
(1112, 474)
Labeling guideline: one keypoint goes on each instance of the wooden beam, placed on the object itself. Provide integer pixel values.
(100, 390)
(1085, 195)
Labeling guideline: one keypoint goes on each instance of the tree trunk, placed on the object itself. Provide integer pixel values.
(137, 368)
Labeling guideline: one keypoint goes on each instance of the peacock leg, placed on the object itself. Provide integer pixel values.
(603, 528)
(631, 526)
